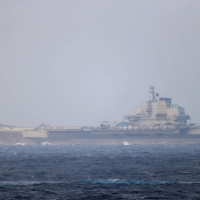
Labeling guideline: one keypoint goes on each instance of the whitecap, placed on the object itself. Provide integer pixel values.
(46, 143)
(125, 143)
(20, 144)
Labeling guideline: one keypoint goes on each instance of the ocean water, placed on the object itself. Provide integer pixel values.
(100, 172)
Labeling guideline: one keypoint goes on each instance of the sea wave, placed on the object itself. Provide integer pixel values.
(27, 183)
(133, 182)
(95, 181)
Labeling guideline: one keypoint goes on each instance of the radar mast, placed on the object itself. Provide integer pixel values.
(152, 93)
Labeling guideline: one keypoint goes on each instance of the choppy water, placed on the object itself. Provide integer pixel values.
(100, 172)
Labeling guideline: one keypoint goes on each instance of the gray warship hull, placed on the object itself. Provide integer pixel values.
(119, 138)
(78, 136)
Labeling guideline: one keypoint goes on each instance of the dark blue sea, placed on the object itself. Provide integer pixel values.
(100, 172)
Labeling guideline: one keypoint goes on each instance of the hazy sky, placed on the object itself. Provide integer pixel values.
(82, 62)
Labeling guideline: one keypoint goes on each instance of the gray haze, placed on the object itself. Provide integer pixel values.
(82, 62)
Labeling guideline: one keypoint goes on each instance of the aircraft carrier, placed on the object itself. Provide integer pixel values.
(157, 121)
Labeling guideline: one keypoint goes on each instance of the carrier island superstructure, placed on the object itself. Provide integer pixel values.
(159, 114)
(157, 121)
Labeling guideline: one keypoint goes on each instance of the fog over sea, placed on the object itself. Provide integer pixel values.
(100, 172)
